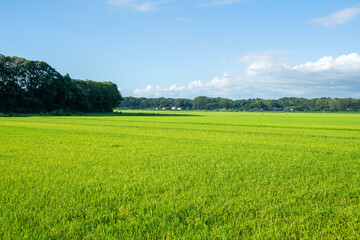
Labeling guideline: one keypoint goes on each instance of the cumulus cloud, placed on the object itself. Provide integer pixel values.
(137, 5)
(215, 86)
(268, 76)
(343, 63)
(157, 91)
(339, 17)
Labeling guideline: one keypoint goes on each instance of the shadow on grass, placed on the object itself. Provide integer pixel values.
(109, 114)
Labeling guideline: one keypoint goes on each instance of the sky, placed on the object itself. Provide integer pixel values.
(236, 49)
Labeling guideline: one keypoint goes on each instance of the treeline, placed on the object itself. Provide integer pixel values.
(282, 104)
(34, 86)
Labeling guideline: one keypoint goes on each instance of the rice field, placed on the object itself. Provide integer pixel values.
(186, 175)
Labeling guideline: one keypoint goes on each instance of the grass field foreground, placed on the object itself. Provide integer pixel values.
(190, 175)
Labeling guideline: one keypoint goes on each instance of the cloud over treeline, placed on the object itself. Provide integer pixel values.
(268, 76)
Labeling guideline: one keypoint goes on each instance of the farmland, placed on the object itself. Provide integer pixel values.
(188, 175)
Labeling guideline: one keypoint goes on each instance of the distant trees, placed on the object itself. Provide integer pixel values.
(34, 86)
(282, 104)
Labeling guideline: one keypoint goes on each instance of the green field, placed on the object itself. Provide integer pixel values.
(189, 175)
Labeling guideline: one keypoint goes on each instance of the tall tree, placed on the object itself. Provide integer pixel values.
(34, 86)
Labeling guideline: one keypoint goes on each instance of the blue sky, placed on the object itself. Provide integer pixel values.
(178, 48)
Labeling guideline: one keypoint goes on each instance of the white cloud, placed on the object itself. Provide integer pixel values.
(195, 84)
(339, 17)
(224, 2)
(195, 88)
(176, 88)
(141, 6)
(343, 63)
(153, 5)
(268, 76)
(158, 91)
(261, 60)
(220, 3)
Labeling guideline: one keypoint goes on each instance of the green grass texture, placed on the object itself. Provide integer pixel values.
(180, 175)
